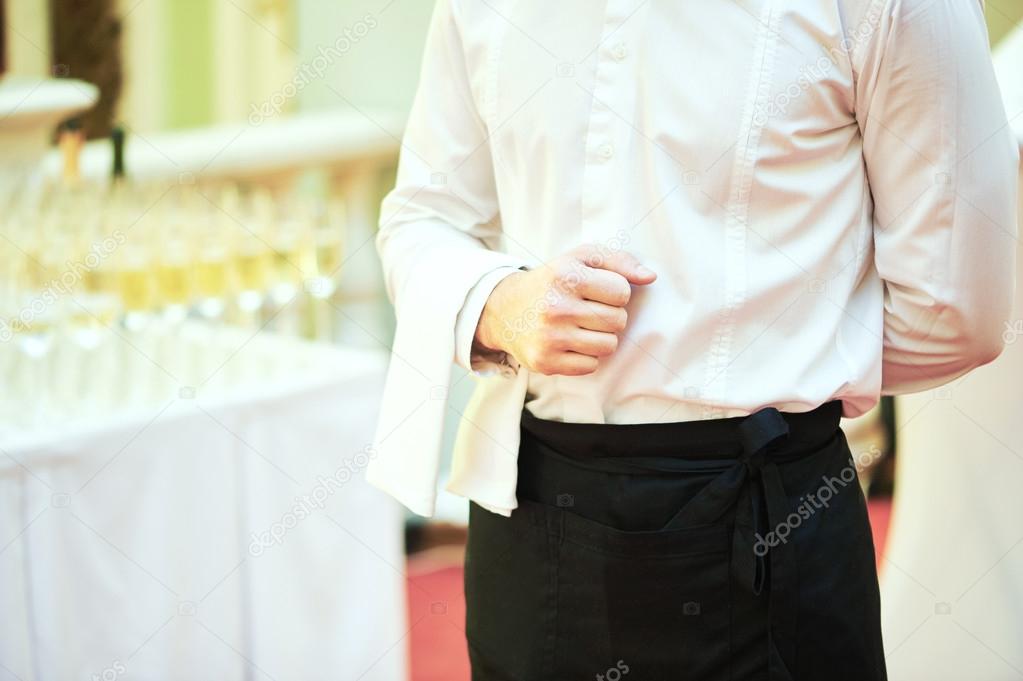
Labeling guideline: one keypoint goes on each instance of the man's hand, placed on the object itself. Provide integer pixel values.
(562, 317)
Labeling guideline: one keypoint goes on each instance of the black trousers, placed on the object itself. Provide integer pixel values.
(729, 549)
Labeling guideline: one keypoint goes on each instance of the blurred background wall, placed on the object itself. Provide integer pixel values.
(203, 62)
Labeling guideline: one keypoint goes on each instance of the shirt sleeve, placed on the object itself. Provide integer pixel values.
(437, 222)
(942, 165)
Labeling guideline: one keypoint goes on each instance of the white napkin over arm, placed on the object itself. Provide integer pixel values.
(434, 229)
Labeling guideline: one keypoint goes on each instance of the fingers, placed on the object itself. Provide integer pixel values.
(594, 343)
(600, 317)
(619, 262)
(604, 286)
(572, 352)
(568, 364)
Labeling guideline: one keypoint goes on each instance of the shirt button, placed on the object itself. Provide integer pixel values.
(619, 52)
(606, 151)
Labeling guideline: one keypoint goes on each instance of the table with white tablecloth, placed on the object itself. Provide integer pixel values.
(222, 536)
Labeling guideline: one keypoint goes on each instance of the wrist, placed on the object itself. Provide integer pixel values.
(490, 335)
(487, 339)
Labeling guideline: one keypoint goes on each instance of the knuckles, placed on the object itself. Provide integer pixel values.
(544, 364)
(557, 311)
(550, 337)
(566, 275)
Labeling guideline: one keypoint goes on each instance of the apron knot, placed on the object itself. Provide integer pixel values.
(760, 430)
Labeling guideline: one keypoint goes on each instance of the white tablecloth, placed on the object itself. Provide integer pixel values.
(140, 546)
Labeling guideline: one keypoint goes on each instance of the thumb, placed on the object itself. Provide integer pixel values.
(620, 262)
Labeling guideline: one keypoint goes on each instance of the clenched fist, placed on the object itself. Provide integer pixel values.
(561, 318)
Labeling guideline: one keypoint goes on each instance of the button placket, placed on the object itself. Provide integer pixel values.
(720, 354)
(613, 92)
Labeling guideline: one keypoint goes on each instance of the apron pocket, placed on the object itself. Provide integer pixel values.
(652, 604)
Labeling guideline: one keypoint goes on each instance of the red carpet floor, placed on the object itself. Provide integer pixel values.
(437, 607)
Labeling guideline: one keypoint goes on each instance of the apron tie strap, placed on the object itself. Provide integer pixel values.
(753, 487)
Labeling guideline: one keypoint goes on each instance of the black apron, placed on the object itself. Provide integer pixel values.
(728, 549)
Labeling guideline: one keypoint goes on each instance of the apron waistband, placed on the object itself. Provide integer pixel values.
(712, 439)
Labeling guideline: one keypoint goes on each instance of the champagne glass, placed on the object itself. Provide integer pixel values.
(175, 285)
(294, 260)
(174, 267)
(211, 269)
(96, 294)
(33, 332)
(136, 282)
(328, 226)
(253, 263)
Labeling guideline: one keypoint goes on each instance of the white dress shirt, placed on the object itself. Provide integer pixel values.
(826, 189)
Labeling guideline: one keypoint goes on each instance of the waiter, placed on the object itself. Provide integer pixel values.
(674, 242)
